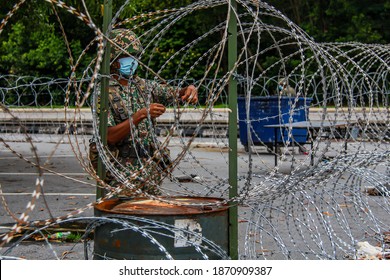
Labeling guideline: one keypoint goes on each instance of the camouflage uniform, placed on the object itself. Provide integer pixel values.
(139, 151)
(285, 89)
(126, 40)
(136, 156)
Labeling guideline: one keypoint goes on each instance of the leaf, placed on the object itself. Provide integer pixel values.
(344, 205)
(65, 253)
(263, 251)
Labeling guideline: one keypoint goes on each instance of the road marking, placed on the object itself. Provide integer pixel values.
(51, 194)
(32, 157)
(44, 173)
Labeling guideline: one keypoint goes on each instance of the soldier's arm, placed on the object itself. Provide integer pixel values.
(161, 93)
(166, 94)
(122, 130)
(189, 94)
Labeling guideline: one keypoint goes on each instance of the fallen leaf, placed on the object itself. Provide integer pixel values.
(263, 251)
(65, 253)
(344, 205)
(70, 209)
(327, 214)
(38, 237)
(372, 191)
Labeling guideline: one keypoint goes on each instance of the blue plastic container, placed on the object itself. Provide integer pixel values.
(267, 110)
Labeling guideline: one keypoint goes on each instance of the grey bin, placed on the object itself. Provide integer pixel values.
(184, 233)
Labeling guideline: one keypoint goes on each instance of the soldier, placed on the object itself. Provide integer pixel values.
(285, 89)
(134, 105)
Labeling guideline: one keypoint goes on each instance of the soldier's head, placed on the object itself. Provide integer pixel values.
(126, 47)
(282, 84)
(284, 87)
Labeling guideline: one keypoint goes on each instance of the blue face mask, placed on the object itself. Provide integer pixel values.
(128, 66)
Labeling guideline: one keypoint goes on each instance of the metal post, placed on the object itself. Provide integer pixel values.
(232, 58)
(105, 72)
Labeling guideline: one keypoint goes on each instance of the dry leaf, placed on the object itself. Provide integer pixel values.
(65, 253)
(344, 205)
(70, 209)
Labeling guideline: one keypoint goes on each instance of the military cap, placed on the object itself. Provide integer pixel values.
(126, 40)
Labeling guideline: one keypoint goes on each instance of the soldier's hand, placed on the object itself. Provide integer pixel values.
(189, 94)
(156, 110)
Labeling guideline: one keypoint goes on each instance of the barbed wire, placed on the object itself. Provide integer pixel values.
(321, 202)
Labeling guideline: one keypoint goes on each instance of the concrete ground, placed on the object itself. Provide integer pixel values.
(68, 187)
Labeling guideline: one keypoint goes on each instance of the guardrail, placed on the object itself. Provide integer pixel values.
(55, 121)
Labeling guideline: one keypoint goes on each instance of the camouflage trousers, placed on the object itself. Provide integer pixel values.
(144, 176)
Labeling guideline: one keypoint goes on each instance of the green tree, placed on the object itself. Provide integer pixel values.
(365, 21)
(33, 42)
(33, 52)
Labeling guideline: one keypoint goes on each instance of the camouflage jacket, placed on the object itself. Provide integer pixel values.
(131, 155)
(136, 96)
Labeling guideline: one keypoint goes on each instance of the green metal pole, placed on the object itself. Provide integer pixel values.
(232, 58)
(105, 72)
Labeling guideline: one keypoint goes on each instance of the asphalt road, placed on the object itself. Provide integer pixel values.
(68, 187)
